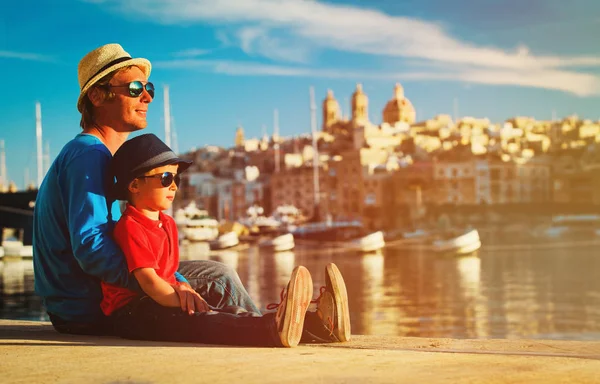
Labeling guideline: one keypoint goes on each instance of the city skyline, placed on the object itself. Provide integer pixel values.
(231, 63)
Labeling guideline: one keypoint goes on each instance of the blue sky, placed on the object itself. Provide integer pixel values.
(230, 62)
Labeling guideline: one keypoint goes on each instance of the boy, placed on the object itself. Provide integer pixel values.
(147, 176)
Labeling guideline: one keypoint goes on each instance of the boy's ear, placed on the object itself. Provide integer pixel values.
(133, 186)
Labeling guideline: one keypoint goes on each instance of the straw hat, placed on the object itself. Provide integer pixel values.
(102, 61)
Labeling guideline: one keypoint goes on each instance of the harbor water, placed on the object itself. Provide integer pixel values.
(539, 292)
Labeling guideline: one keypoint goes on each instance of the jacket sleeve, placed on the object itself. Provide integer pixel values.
(84, 186)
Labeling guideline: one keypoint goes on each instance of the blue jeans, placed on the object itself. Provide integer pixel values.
(218, 284)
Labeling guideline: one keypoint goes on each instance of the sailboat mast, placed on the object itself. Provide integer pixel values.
(167, 117)
(3, 176)
(46, 160)
(276, 138)
(455, 108)
(313, 128)
(26, 178)
(38, 136)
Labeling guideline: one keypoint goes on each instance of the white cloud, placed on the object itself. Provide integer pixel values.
(289, 30)
(192, 52)
(576, 83)
(237, 68)
(26, 56)
(257, 40)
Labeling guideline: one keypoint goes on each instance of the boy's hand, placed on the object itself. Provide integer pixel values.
(190, 300)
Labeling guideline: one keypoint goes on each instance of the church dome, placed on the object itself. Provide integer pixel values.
(399, 109)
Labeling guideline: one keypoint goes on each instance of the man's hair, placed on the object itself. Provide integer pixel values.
(87, 107)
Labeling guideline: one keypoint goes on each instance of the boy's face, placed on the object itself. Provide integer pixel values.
(148, 194)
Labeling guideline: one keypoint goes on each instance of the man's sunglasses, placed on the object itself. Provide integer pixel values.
(166, 179)
(136, 88)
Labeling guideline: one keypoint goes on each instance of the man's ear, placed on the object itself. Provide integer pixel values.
(96, 96)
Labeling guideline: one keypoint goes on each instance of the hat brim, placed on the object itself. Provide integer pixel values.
(141, 63)
(120, 188)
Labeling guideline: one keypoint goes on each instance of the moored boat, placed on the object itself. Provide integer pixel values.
(347, 234)
(15, 248)
(195, 224)
(200, 228)
(572, 227)
(369, 243)
(279, 243)
(224, 241)
(462, 244)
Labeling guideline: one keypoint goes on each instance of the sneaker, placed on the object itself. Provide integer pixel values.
(332, 304)
(291, 311)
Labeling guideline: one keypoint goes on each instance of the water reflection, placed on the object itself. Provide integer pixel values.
(17, 300)
(544, 293)
(227, 257)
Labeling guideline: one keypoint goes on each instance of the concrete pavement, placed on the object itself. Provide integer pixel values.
(32, 352)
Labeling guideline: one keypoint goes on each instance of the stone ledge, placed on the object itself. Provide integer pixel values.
(34, 352)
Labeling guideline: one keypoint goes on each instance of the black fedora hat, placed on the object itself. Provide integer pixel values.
(139, 155)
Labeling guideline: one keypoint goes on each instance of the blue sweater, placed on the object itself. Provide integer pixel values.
(73, 220)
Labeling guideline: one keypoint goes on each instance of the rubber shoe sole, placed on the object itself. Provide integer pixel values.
(297, 300)
(335, 281)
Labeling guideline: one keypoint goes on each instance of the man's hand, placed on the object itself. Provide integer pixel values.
(190, 300)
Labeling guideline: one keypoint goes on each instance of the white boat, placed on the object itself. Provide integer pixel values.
(226, 240)
(258, 223)
(369, 243)
(279, 243)
(201, 228)
(349, 234)
(195, 224)
(464, 244)
(572, 227)
(15, 248)
(288, 215)
(418, 236)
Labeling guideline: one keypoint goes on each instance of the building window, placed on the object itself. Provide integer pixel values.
(495, 174)
(370, 199)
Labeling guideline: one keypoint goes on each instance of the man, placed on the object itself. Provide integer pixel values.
(75, 214)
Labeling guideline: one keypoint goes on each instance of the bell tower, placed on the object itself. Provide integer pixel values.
(239, 137)
(331, 111)
(360, 106)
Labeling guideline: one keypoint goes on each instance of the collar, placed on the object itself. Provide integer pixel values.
(147, 222)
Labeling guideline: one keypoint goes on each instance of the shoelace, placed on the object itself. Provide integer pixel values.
(322, 290)
(275, 306)
(282, 296)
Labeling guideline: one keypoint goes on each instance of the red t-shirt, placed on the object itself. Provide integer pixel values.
(146, 243)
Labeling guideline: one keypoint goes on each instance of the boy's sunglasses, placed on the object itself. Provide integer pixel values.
(136, 88)
(166, 179)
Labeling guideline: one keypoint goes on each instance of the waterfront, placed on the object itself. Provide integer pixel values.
(536, 293)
